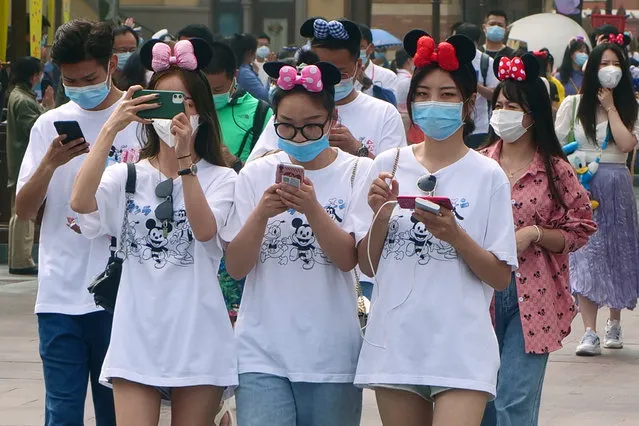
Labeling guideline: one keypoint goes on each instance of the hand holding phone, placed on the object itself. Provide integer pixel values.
(71, 129)
(290, 174)
(62, 150)
(408, 202)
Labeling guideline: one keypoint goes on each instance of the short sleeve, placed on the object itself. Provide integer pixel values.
(359, 215)
(563, 119)
(244, 202)
(36, 150)
(111, 201)
(491, 78)
(393, 132)
(500, 229)
(219, 196)
(266, 142)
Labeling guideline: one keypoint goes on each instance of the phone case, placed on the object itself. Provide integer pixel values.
(290, 174)
(429, 206)
(70, 128)
(441, 201)
(171, 104)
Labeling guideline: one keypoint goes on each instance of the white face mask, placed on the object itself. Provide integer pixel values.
(163, 129)
(508, 124)
(609, 76)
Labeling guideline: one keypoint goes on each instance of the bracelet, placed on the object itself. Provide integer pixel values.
(540, 234)
(184, 156)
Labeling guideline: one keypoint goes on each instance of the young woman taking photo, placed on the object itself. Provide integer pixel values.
(436, 272)
(293, 236)
(552, 217)
(603, 120)
(171, 332)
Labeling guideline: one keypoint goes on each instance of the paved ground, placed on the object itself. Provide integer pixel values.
(602, 391)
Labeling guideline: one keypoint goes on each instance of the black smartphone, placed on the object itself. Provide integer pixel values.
(69, 128)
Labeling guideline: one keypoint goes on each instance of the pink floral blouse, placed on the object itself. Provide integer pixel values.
(546, 305)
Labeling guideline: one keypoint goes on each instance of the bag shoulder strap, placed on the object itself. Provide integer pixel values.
(354, 173)
(254, 133)
(131, 177)
(574, 113)
(129, 190)
(396, 163)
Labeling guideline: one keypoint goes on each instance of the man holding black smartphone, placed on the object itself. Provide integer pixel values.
(74, 333)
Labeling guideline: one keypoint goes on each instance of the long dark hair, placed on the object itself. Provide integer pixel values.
(533, 98)
(566, 70)
(208, 139)
(623, 94)
(465, 79)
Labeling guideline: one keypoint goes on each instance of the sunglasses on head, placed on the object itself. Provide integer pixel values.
(427, 184)
(164, 210)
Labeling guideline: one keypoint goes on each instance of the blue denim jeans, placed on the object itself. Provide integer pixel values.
(521, 375)
(72, 348)
(264, 399)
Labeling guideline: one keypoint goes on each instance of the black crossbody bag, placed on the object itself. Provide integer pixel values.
(105, 286)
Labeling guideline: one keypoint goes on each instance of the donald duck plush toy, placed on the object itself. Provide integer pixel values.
(585, 171)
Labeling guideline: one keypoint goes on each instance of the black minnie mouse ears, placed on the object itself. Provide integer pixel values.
(465, 49)
(176, 55)
(525, 69)
(318, 28)
(330, 74)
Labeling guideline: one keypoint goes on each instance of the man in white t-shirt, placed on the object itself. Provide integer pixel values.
(380, 76)
(74, 333)
(486, 83)
(365, 126)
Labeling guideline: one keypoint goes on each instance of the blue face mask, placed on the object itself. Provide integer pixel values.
(344, 88)
(438, 120)
(122, 59)
(89, 97)
(495, 33)
(304, 151)
(363, 56)
(580, 59)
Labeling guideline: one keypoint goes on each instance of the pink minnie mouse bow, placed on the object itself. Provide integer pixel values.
(310, 78)
(511, 69)
(183, 56)
(616, 39)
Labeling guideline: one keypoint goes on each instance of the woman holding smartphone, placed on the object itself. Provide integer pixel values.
(603, 120)
(297, 331)
(553, 217)
(171, 333)
(430, 351)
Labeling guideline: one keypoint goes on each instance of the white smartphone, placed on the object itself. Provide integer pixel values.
(426, 205)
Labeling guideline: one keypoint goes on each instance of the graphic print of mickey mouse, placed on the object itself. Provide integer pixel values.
(303, 241)
(156, 244)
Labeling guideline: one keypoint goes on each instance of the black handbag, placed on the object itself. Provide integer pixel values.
(104, 287)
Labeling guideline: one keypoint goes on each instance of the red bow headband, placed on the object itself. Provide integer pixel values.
(444, 54)
(511, 69)
(540, 54)
(616, 39)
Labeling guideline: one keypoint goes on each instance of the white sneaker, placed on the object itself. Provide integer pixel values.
(613, 338)
(589, 344)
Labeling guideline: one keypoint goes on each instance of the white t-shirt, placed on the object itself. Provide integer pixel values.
(376, 124)
(430, 313)
(298, 317)
(67, 261)
(482, 117)
(170, 325)
(402, 88)
(612, 153)
(381, 77)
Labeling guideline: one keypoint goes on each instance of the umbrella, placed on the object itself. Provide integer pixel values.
(382, 38)
(550, 30)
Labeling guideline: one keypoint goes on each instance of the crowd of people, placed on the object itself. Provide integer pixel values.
(273, 237)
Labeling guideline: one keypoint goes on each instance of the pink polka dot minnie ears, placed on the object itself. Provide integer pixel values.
(523, 69)
(313, 78)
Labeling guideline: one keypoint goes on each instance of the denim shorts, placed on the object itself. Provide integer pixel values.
(427, 392)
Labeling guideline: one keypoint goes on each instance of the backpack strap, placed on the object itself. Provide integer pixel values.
(131, 178)
(254, 133)
(129, 189)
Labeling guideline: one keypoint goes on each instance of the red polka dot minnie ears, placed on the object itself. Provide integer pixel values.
(449, 55)
(522, 69)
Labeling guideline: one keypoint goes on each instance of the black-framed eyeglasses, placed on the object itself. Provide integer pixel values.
(311, 131)
(427, 184)
(164, 210)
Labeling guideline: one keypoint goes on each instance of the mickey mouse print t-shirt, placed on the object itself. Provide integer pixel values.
(170, 326)
(429, 322)
(298, 317)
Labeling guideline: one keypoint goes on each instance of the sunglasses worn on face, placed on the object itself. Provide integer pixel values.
(164, 210)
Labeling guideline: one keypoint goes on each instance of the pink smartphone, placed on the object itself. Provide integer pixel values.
(408, 201)
(290, 174)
